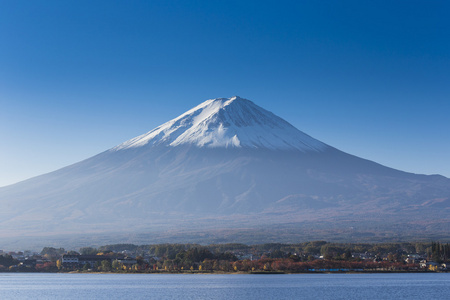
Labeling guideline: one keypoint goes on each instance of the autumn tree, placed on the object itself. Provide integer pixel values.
(59, 264)
(116, 265)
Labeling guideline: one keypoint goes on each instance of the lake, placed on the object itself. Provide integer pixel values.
(229, 286)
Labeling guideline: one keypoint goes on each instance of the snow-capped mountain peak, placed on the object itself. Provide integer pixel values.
(227, 122)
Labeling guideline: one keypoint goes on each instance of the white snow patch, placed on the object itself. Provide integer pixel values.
(228, 122)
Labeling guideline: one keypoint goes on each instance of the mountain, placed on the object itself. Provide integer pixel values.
(225, 171)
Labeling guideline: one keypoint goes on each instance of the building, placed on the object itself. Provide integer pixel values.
(72, 261)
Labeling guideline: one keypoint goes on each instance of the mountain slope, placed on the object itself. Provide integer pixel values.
(225, 164)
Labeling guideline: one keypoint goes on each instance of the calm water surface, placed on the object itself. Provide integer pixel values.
(168, 286)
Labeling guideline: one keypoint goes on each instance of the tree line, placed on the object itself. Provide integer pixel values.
(280, 250)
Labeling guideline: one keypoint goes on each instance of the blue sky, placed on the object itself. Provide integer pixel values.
(371, 78)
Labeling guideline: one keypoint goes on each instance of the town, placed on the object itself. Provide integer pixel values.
(315, 256)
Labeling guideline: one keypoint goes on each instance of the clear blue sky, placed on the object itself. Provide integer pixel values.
(371, 78)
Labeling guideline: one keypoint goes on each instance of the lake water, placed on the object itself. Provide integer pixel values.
(232, 286)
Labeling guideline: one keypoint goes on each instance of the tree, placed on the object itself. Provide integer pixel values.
(7, 260)
(59, 264)
(106, 265)
(88, 251)
(347, 254)
(116, 265)
(277, 254)
(50, 251)
(97, 265)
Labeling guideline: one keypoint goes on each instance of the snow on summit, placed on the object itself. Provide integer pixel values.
(227, 122)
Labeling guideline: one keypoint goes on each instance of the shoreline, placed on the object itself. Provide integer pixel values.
(236, 273)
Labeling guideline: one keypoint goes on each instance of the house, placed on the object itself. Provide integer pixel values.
(91, 260)
(71, 261)
(423, 264)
